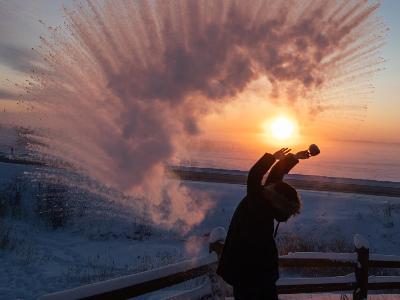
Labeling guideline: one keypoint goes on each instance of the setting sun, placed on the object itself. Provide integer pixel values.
(282, 128)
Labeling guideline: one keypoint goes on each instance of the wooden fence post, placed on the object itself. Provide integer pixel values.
(216, 244)
(216, 241)
(361, 269)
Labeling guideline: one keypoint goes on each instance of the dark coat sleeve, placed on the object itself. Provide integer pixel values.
(281, 168)
(257, 172)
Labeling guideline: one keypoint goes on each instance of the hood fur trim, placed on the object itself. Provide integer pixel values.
(285, 206)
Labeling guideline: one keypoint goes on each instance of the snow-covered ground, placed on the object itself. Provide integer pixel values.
(42, 260)
(325, 217)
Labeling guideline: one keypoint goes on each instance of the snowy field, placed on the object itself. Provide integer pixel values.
(42, 260)
(325, 216)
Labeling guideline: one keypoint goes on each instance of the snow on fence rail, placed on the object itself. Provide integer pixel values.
(141, 283)
(138, 284)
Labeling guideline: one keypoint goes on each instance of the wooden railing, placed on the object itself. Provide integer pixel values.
(359, 282)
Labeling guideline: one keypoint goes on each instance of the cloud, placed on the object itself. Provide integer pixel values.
(18, 59)
(7, 95)
(128, 82)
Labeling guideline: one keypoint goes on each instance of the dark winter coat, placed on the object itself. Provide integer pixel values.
(250, 256)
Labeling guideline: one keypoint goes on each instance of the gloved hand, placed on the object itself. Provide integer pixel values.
(303, 154)
(281, 153)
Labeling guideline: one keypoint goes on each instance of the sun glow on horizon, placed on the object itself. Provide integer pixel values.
(282, 128)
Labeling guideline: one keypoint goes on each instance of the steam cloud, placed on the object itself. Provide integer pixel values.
(124, 83)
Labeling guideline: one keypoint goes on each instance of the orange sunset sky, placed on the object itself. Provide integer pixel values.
(374, 119)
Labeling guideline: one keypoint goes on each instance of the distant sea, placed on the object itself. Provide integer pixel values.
(346, 159)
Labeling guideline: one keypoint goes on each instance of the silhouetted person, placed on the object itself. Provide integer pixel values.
(249, 260)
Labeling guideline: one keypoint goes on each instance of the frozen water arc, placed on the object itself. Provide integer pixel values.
(124, 83)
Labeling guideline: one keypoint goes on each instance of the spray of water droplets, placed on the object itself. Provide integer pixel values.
(122, 84)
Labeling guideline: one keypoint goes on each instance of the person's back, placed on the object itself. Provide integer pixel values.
(249, 261)
(250, 253)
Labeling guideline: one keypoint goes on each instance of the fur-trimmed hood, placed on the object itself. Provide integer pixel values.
(284, 207)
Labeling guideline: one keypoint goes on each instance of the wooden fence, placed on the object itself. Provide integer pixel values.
(139, 284)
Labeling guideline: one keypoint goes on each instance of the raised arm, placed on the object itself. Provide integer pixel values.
(284, 165)
(281, 168)
(260, 168)
(257, 172)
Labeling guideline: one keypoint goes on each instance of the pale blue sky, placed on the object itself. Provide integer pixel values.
(387, 99)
